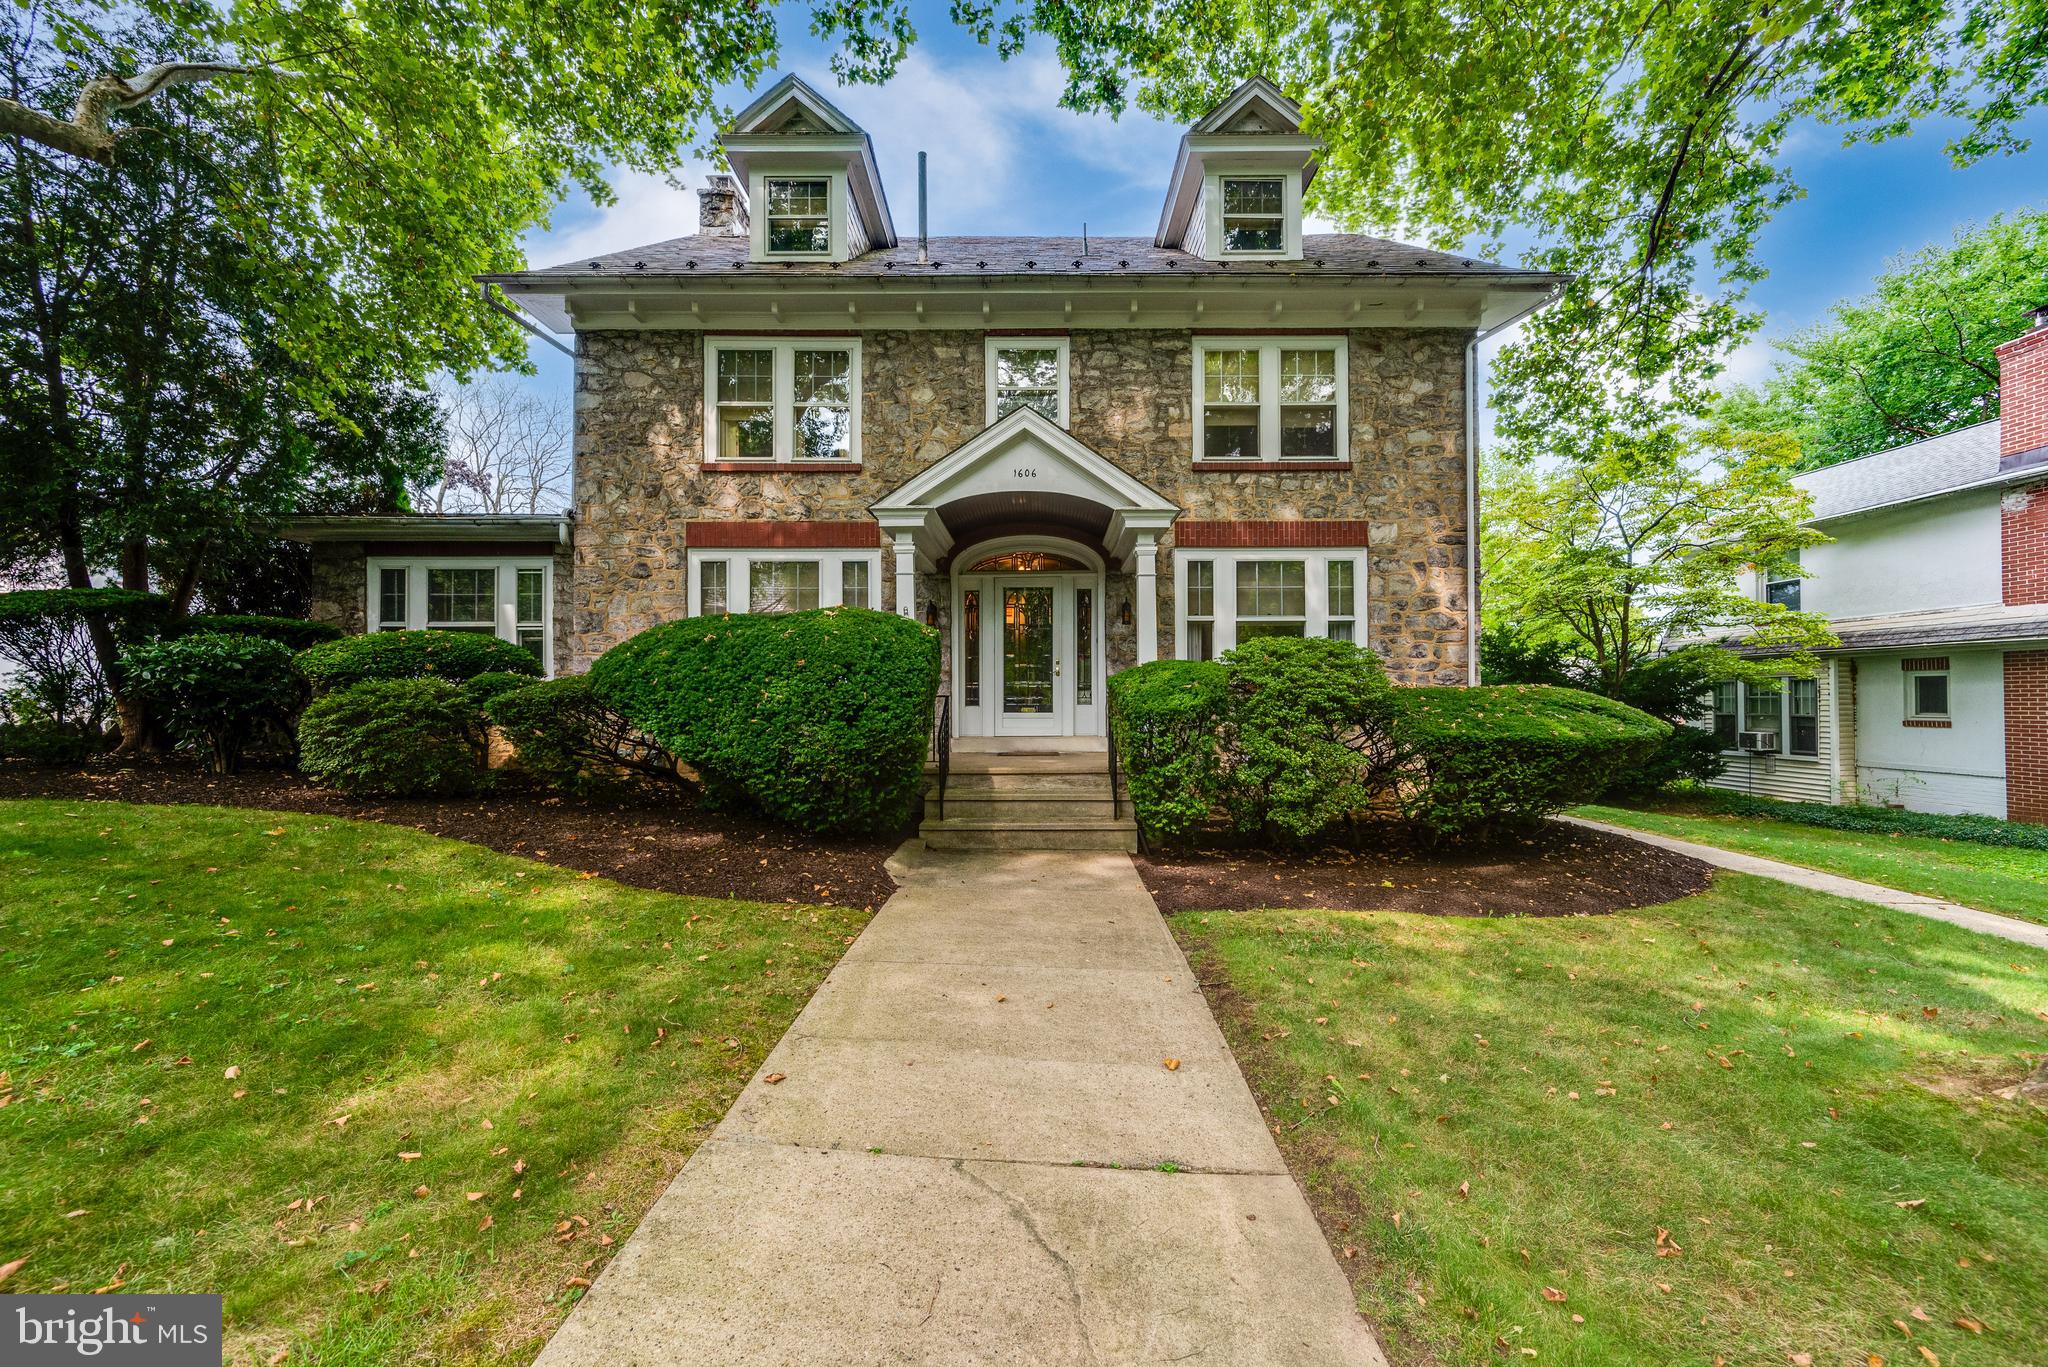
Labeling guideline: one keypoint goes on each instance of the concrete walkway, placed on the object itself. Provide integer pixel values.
(1990, 923)
(964, 1160)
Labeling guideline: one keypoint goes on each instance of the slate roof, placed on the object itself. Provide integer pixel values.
(1938, 465)
(1987, 622)
(1322, 254)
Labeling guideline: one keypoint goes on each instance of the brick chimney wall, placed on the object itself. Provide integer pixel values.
(722, 207)
(2023, 445)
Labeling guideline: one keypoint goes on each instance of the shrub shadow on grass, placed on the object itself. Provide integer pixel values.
(1551, 871)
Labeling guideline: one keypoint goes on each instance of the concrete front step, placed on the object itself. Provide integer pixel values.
(970, 833)
(1004, 806)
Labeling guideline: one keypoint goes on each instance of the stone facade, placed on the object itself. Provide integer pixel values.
(341, 583)
(640, 475)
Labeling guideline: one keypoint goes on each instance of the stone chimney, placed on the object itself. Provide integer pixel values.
(721, 207)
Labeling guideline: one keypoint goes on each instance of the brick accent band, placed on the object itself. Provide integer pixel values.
(1264, 534)
(2026, 735)
(739, 535)
(1915, 664)
(1928, 723)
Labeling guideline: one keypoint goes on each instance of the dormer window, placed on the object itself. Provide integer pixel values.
(799, 219)
(1254, 214)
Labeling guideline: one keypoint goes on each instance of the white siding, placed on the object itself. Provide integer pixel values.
(1943, 553)
(1196, 238)
(1793, 778)
(1959, 768)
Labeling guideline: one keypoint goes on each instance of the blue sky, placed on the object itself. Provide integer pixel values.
(1006, 159)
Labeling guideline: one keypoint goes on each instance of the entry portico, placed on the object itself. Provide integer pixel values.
(1024, 522)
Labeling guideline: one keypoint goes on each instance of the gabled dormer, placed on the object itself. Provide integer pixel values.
(813, 191)
(1237, 183)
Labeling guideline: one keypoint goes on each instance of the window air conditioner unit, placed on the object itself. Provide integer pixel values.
(1760, 742)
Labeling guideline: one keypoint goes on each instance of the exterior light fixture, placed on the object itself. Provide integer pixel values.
(931, 613)
(1123, 615)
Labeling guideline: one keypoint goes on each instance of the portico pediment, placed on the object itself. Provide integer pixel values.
(1032, 461)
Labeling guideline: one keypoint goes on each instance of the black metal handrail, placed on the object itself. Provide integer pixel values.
(942, 743)
(1116, 774)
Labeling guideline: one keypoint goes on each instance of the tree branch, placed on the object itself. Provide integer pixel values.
(87, 133)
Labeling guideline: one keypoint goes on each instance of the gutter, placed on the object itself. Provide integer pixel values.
(494, 299)
(1472, 475)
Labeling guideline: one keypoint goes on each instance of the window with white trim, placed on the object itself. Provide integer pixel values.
(1783, 589)
(1788, 708)
(1224, 598)
(722, 580)
(786, 400)
(1027, 372)
(799, 217)
(1254, 214)
(509, 599)
(1270, 399)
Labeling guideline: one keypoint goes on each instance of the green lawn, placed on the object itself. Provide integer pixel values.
(1799, 1091)
(392, 1095)
(1988, 877)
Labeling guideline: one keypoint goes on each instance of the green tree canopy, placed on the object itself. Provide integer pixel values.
(1649, 544)
(1914, 358)
(1640, 146)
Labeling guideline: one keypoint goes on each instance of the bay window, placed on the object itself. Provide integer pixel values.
(509, 599)
(782, 400)
(1227, 597)
(1261, 399)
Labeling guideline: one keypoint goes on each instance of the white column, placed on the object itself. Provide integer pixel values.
(1148, 597)
(906, 574)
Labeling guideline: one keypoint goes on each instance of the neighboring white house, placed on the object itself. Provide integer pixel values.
(1936, 583)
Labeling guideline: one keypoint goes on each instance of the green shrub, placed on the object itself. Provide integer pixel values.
(216, 692)
(45, 635)
(818, 719)
(1167, 716)
(1478, 760)
(1689, 754)
(294, 633)
(29, 731)
(452, 655)
(485, 687)
(394, 738)
(1977, 830)
(1303, 733)
(570, 741)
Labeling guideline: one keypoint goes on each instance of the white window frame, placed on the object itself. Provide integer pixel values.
(739, 573)
(1315, 591)
(783, 445)
(1912, 704)
(1290, 202)
(835, 211)
(1061, 344)
(1269, 349)
(506, 622)
(1743, 689)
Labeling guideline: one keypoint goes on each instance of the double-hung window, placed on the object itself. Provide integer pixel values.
(1027, 372)
(799, 220)
(1783, 589)
(1343, 599)
(723, 580)
(508, 599)
(1254, 214)
(783, 400)
(1270, 400)
(1198, 610)
(1727, 713)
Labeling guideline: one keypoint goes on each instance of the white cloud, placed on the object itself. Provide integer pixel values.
(647, 209)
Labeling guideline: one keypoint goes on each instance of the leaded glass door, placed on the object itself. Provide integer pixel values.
(1030, 663)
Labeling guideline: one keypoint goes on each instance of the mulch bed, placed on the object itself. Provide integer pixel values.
(1558, 871)
(672, 846)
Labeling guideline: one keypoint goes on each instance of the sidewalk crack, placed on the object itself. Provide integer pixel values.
(1021, 1212)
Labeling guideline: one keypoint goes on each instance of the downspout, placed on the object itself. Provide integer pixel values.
(1472, 479)
(494, 300)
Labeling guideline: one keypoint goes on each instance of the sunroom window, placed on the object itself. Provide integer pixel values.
(1200, 612)
(462, 599)
(783, 586)
(1343, 598)
(726, 579)
(1228, 597)
(1254, 214)
(1270, 400)
(782, 400)
(508, 599)
(799, 216)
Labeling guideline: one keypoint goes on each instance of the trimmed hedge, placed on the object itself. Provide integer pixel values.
(1977, 830)
(394, 738)
(1302, 733)
(217, 692)
(570, 741)
(295, 633)
(135, 615)
(454, 655)
(1167, 716)
(497, 682)
(1478, 760)
(818, 719)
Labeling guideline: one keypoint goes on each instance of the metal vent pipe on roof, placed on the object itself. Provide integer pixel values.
(922, 255)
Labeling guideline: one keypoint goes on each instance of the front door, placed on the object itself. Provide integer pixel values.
(1030, 696)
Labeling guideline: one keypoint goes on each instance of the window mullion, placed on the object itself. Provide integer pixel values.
(505, 579)
(1269, 402)
(416, 597)
(783, 388)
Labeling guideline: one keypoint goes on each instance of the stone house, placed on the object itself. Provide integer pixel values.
(1070, 454)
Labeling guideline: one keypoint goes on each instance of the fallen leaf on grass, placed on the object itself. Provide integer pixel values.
(1800, 1359)
(74, 1214)
(275, 830)
(1969, 1324)
(1917, 1313)
(475, 1196)
(577, 1281)
(234, 1071)
(9, 1269)
(1913, 1204)
(422, 1191)
(486, 1224)
(279, 1356)
(1553, 1295)
(1928, 1353)
(407, 1157)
